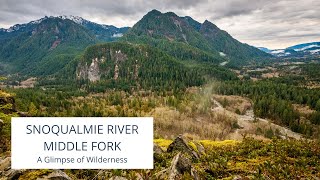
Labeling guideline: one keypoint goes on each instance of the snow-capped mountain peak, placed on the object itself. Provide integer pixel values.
(76, 19)
(81, 21)
(101, 31)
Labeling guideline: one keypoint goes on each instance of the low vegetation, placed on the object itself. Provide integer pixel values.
(249, 159)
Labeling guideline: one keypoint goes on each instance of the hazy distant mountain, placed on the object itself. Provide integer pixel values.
(264, 49)
(305, 46)
(299, 50)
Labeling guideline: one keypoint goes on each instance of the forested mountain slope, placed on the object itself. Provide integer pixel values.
(45, 46)
(186, 38)
(124, 65)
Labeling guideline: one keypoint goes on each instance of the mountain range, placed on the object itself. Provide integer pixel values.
(102, 31)
(56, 45)
(299, 50)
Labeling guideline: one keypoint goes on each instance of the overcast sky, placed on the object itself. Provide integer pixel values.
(268, 23)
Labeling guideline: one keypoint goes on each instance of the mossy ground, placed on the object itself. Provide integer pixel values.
(249, 159)
(255, 159)
(210, 143)
(6, 112)
(163, 143)
(4, 94)
(33, 175)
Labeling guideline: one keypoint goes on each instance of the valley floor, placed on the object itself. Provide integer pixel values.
(225, 137)
(248, 124)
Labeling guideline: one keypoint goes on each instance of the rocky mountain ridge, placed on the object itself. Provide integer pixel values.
(157, 28)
